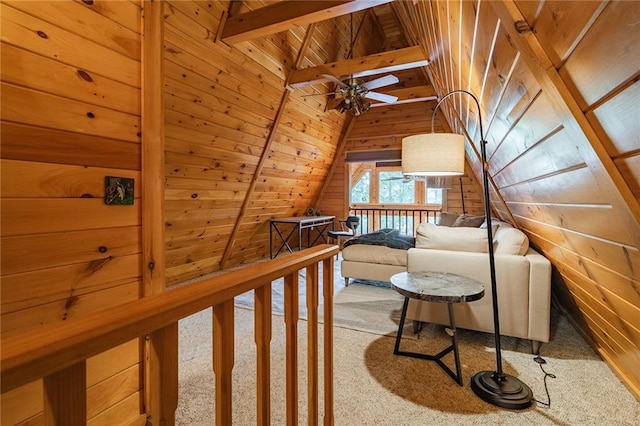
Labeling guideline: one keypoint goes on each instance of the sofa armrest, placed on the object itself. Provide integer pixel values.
(539, 296)
(522, 294)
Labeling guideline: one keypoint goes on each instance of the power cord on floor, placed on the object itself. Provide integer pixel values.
(541, 361)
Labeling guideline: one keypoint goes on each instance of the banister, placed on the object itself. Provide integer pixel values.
(46, 350)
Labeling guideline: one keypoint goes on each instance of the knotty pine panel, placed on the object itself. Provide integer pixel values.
(49, 40)
(110, 392)
(521, 92)
(73, 306)
(186, 124)
(188, 207)
(188, 36)
(72, 16)
(20, 404)
(616, 121)
(538, 122)
(28, 289)
(192, 270)
(37, 72)
(208, 81)
(23, 142)
(71, 116)
(598, 220)
(33, 216)
(606, 56)
(560, 26)
(191, 100)
(32, 252)
(28, 179)
(26, 106)
(572, 264)
(548, 157)
(612, 309)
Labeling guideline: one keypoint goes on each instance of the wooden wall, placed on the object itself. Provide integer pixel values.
(240, 149)
(380, 129)
(71, 81)
(559, 100)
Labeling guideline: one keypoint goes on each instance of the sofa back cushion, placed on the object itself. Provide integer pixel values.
(509, 240)
(430, 236)
(466, 220)
(447, 219)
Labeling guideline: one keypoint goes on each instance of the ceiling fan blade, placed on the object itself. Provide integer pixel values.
(381, 97)
(380, 82)
(335, 80)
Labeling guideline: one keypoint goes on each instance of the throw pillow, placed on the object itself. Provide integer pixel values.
(468, 221)
(447, 219)
(430, 236)
(511, 241)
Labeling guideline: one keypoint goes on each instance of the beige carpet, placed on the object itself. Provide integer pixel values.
(374, 387)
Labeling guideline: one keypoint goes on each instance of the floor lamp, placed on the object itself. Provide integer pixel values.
(442, 154)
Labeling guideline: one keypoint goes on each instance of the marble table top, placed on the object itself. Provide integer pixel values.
(438, 287)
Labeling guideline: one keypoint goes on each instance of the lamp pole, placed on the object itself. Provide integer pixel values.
(494, 387)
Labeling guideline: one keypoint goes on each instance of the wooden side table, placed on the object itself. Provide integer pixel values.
(436, 287)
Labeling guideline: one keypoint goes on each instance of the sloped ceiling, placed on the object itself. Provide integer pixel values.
(561, 137)
(558, 87)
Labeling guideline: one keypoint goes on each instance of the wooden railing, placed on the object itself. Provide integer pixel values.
(404, 219)
(58, 352)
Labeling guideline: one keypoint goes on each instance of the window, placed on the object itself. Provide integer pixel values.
(395, 189)
(361, 189)
(434, 195)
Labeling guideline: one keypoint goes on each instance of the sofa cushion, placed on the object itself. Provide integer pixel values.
(430, 236)
(468, 221)
(447, 219)
(508, 240)
(375, 254)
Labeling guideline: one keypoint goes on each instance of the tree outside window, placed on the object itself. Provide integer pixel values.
(395, 189)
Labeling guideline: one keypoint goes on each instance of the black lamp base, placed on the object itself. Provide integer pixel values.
(505, 391)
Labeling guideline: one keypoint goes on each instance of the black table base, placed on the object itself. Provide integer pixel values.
(457, 376)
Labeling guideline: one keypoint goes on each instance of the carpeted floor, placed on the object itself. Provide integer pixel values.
(375, 387)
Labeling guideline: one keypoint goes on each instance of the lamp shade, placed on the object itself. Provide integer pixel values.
(433, 154)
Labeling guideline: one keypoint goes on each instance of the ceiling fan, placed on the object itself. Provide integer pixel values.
(356, 92)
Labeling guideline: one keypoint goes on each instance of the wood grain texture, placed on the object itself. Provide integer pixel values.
(71, 89)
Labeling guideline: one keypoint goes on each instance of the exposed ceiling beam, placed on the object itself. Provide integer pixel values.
(288, 14)
(394, 60)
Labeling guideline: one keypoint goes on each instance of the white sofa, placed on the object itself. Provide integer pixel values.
(523, 276)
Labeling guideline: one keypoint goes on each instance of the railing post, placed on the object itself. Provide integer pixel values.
(65, 396)
(291, 327)
(223, 359)
(263, 355)
(327, 291)
(312, 342)
(162, 381)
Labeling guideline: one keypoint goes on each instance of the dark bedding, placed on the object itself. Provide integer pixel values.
(385, 237)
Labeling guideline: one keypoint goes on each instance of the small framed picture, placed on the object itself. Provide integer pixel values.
(118, 190)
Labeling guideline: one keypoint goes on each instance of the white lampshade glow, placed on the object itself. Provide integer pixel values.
(433, 154)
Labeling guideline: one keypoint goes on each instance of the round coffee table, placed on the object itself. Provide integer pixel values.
(439, 287)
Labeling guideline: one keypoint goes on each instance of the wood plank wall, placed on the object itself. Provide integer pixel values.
(220, 105)
(382, 128)
(560, 109)
(70, 79)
